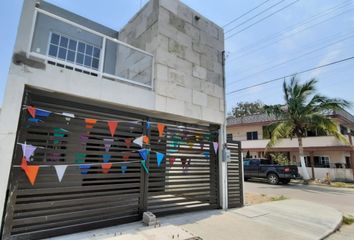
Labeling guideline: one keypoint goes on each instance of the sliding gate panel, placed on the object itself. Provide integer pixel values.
(81, 201)
(188, 178)
(234, 175)
(89, 197)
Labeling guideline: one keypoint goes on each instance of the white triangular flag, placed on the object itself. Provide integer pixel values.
(216, 147)
(60, 169)
(139, 141)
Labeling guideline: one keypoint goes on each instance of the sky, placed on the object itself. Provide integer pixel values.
(304, 35)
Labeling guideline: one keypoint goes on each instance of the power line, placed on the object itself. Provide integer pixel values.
(294, 27)
(290, 75)
(292, 59)
(262, 19)
(251, 10)
(288, 35)
(251, 18)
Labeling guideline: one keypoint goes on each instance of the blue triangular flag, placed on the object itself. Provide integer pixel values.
(144, 153)
(106, 157)
(148, 125)
(159, 158)
(206, 154)
(34, 120)
(143, 163)
(124, 168)
(84, 168)
(42, 113)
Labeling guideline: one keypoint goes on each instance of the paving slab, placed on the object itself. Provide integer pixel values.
(286, 219)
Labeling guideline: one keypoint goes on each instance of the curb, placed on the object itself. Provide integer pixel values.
(330, 232)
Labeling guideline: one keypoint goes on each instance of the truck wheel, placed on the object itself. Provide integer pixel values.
(273, 178)
(285, 181)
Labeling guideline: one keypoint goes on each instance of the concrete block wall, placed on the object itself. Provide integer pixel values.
(188, 51)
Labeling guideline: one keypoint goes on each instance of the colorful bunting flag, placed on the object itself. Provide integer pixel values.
(60, 170)
(146, 139)
(23, 164)
(172, 161)
(144, 153)
(28, 151)
(32, 172)
(126, 156)
(84, 168)
(159, 158)
(128, 142)
(34, 120)
(106, 158)
(190, 144)
(90, 122)
(161, 129)
(143, 163)
(83, 139)
(148, 125)
(112, 125)
(139, 141)
(206, 154)
(80, 157)
(42, 113)
(58, 133)
(32, 111)
(68, 116)
(107, 143)
(184, 161)
(106, 167)
(123, 168)
(216, 147)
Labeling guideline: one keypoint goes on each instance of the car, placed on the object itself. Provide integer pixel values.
(265, 168)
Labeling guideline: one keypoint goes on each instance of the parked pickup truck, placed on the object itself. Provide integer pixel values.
(264, 168)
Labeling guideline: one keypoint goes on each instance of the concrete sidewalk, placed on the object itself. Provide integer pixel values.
(287, 219)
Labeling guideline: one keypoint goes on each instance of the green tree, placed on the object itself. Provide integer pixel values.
(243, 109)
(304, 110)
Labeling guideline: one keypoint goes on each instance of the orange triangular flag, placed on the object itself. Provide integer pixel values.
(31, 172)
(112, 127)
(90, 122)
(24, 164)
(128, 142)
(32, 111)
(146, 139)
(161, 128)
(106, 167)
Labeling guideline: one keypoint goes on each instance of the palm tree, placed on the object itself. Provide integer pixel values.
(304, 111)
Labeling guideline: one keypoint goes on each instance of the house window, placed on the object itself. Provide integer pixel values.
(252, 135)
(74, 51)
(321, 161)
(343, 130)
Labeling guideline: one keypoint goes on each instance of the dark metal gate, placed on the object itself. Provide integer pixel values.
(234, 175)
(186, 180)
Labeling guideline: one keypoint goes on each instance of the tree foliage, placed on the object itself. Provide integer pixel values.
(243, 109)
(304, 110)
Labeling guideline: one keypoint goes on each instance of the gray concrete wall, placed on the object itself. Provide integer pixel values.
(188, 58)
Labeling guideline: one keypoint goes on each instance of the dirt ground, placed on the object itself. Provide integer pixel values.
(255, 198)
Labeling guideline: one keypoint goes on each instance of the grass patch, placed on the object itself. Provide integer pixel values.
(342, 185)
(278, 198)
(348, 220)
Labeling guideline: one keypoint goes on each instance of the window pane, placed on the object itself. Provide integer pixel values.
(89, 50)
(72, 45)
(81, 47)
(80, 58)
(96, 52)
(71, 56)
(64, 42)
(62, 53)
(53, 50)
(88, 60)
(95, 63)
(55, 39)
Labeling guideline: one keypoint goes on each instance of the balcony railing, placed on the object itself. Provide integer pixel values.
(73, 46)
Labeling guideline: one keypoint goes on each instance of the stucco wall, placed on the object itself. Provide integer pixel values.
(239, 133)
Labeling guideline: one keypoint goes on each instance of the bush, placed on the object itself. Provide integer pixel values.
(348, 220)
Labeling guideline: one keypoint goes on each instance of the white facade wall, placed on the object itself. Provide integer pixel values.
(188, 83)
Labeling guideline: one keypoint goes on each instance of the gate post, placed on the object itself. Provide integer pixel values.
(144, 178)
(222, 169)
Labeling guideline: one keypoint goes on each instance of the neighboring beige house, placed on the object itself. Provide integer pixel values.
(329, 155)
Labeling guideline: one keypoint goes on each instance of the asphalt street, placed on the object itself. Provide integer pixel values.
(341, 199)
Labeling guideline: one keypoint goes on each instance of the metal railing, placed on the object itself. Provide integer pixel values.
(117, 60)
